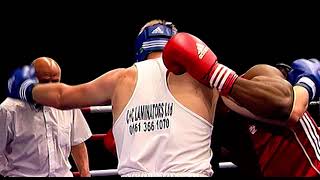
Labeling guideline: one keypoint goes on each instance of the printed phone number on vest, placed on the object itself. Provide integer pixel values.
(148, 126)
(150, 117)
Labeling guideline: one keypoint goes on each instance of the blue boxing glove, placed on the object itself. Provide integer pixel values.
(21, 83)
(306, 73)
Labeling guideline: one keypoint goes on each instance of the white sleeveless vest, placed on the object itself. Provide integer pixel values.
(156, 134)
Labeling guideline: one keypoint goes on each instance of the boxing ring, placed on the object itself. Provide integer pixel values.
(114, 172)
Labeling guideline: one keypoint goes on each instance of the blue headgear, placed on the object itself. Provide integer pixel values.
(153, 38)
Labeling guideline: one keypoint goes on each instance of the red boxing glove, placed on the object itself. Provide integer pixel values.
(109, 143)
(187, 53)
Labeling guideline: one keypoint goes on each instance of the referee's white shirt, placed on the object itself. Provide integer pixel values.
(37, 141)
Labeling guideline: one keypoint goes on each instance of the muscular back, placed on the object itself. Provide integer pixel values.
(189, 92)
(193, 95)
(153, 118)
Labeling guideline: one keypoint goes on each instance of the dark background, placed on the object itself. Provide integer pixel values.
(88, 39)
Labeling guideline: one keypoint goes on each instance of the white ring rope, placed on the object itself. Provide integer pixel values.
(224, 165)
(111, 172)
(105, 109)
(107, 172)
(314, 103)
(97, 109)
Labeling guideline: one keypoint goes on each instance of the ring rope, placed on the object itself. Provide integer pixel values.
(107, 172)
(105, 109)
(95, 137)
(314, 103)
(111, 172)
(97, 109)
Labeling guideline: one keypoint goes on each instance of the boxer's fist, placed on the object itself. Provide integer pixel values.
(21, 82)
(187, 53)
(306, 73)
(184, 50)
(109, 143)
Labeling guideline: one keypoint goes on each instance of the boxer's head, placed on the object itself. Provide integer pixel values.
(47, 70)
(284, 68)
(152, 37)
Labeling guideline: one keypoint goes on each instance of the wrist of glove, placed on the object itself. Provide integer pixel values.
(25, 91)
(223, 79)
(309, 85)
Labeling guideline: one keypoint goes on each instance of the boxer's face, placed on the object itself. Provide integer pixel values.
(284, 71)
(284, 68)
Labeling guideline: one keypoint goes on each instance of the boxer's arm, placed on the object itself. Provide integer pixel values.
(63, 96)
(299, 106)
(300, 103)
(271, 96)
(264, 96)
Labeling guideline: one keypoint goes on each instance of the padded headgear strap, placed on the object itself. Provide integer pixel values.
(153, 38)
